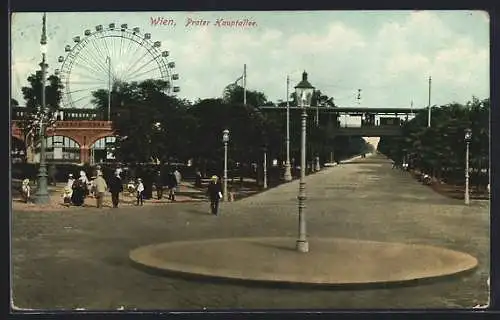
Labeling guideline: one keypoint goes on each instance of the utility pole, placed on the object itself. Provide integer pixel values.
(108, 59)
(244, 84)
(429, 105)
(288, 173)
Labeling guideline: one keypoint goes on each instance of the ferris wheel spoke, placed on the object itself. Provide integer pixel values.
(98, 56)
(132, 57)
(146, 72)
(91, 55)
(84, 75)
(84, 89)
(94, 62)
(130, 42)
(143, 66)
(109, 53)
(130, 65)
(86, 82)
(89, 65)
(97, 48)
(135, 65)
(91, 61)
(79, 99)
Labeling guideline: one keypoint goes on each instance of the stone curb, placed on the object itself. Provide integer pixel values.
(142, 258)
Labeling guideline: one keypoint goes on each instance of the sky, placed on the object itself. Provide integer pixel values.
(389, 55)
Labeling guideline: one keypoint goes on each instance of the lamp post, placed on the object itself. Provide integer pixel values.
(265, 167)
(304, 91)
(288, 172)
(42, 194)
(225, 139)
(468, 137)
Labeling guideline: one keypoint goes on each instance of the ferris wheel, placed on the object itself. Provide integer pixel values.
(107, 56)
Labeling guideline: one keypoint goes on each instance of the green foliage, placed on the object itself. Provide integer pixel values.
(440, 149)
(32, 94)
(193, 131)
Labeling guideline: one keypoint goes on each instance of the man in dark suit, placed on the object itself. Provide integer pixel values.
(214, 192)
(115, 187)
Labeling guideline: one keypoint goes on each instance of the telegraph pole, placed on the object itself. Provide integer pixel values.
(244, 84)
(429, 105)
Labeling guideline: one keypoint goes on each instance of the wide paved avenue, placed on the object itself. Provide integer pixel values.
(79, 258)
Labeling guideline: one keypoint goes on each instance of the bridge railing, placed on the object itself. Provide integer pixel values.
(19, 113)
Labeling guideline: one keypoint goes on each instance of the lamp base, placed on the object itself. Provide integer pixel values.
(302, 246)
(288, 174)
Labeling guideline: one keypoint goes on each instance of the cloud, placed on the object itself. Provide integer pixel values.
(338, 38)
(389, 58)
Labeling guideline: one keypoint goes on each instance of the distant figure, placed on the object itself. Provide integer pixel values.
(71, 180)
(100, 187)
(85, 181)
(214, 192)
(159, 185)
(131, 187)
(115, 187)
(26, 190)
(68, 190)
(52, 174)
(178, 178)
(79, 190)
(140, 191)
(197, 179)
(172, 185)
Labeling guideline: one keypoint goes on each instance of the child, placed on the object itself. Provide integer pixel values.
(26, 190)
(140, 190)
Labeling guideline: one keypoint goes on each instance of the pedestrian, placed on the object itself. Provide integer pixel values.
(140, 192)
(26, 190)
(159, 185)
(178, 178)
(197, 179)
(85, 182)
(78, 194)
(172, 185)
(100, 187)
(115, 187)
(71, 180)
(214, 192)
(68, 190)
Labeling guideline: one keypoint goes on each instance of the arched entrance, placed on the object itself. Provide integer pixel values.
(60, 149)
(102, 150)
(17, 150)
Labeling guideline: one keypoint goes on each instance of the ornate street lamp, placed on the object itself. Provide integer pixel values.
(225, 139)
(304, 91)
(42, 194)
(467, 138)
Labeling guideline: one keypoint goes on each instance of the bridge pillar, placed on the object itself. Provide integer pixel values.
(84, 154)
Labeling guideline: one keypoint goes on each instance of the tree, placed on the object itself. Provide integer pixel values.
(235, 94)
(152, 124)
(14, 103)
(440, 149)
(32, 94)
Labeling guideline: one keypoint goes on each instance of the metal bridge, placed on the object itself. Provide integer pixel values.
(372, 122)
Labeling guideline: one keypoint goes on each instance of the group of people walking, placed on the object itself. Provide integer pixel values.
(76, 190)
